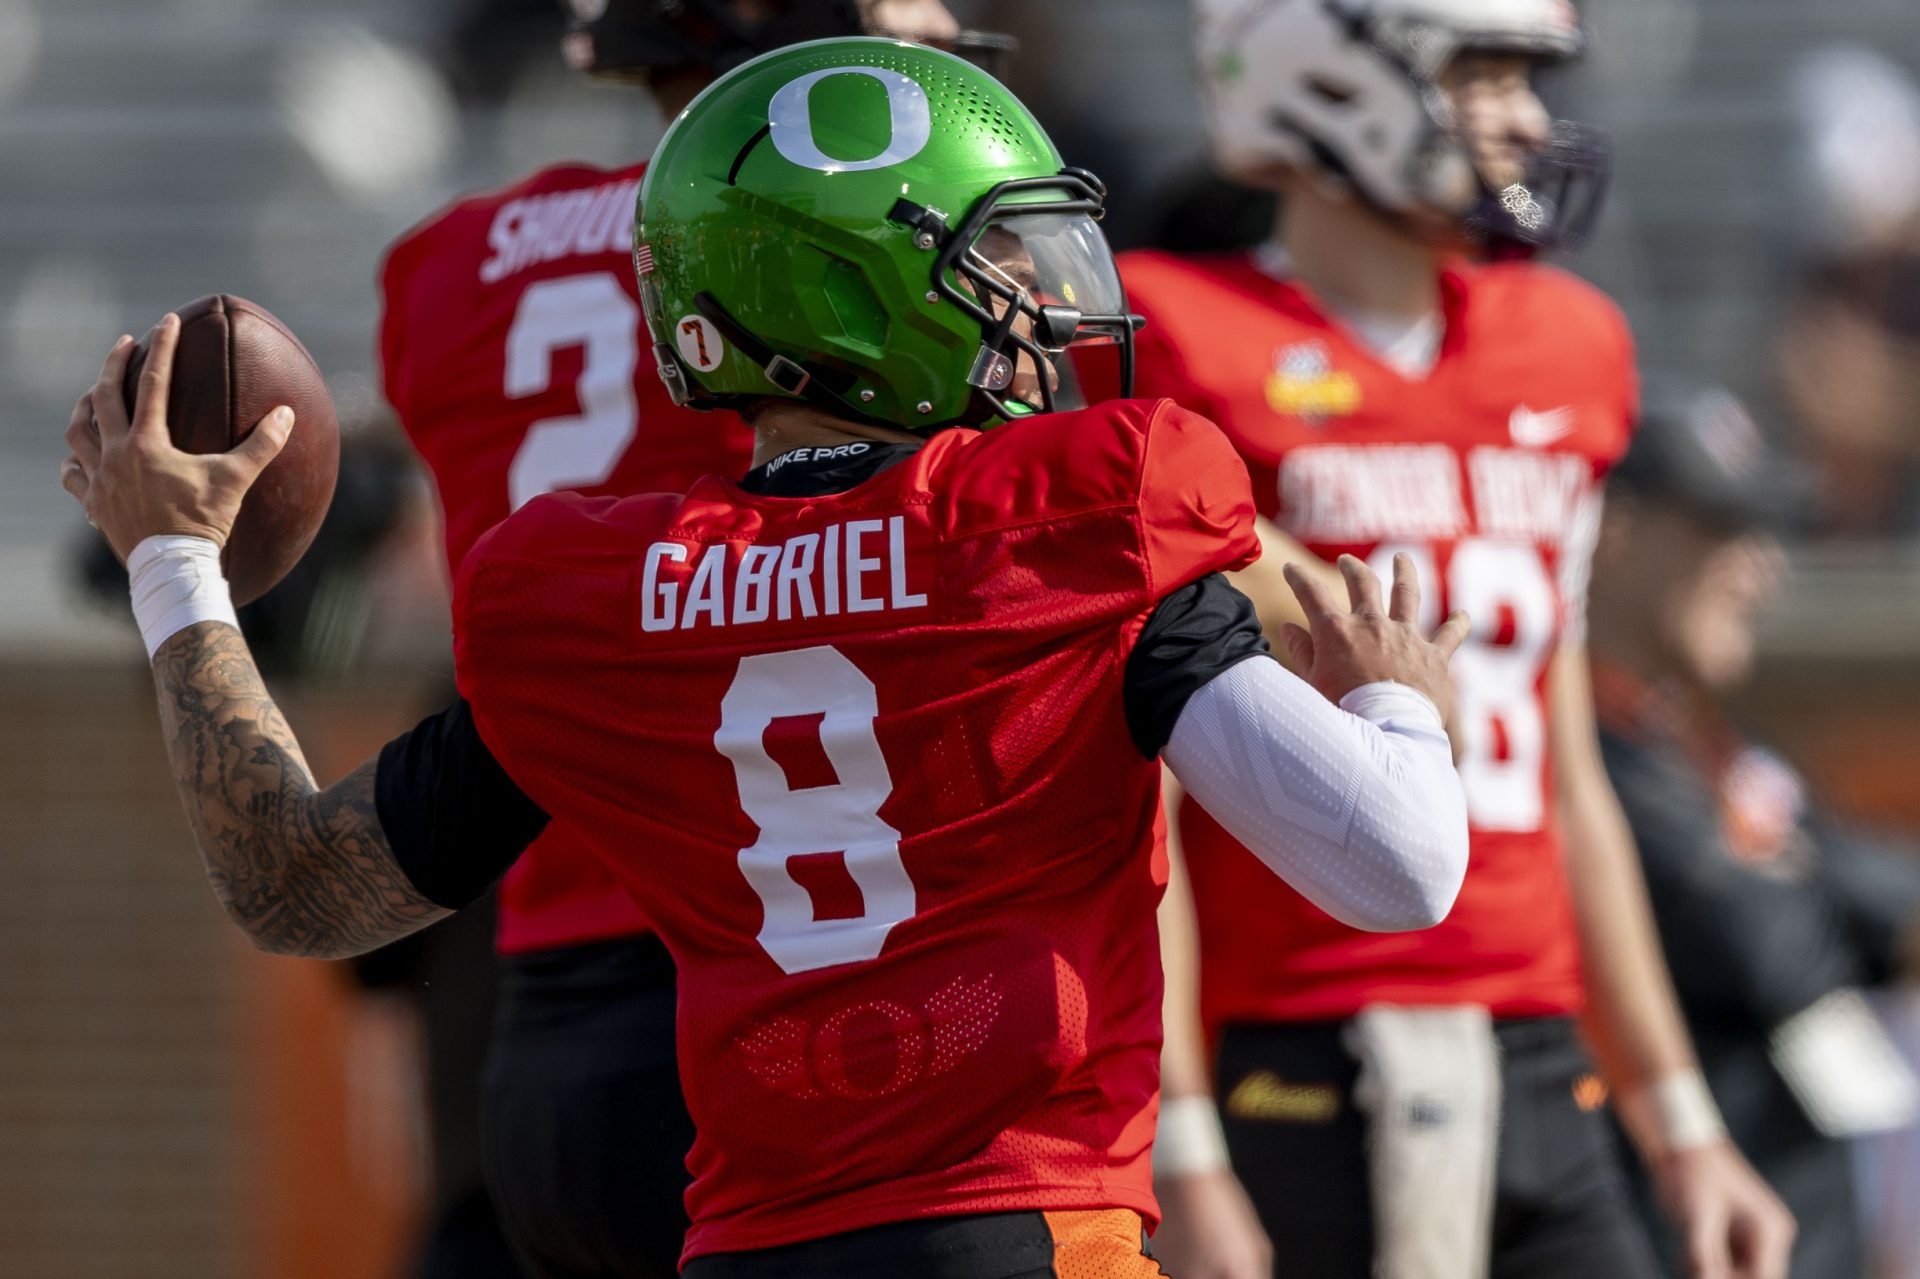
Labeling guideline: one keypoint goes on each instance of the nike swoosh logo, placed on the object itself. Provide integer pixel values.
(1533, 430)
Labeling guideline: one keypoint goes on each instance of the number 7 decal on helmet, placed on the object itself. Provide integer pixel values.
(700, 346)
(843, 817)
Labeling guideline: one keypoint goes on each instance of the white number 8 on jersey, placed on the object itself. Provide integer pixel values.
(843, 817)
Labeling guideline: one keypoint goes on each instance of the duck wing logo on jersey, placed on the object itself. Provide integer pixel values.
(836, 1058)
(1536, 430)
(1304, 384)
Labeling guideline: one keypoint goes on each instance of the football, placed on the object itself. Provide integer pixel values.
(234, 364)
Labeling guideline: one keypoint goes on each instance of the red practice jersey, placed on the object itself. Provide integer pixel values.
(513, 349)
(1487, 472)
(866, 757)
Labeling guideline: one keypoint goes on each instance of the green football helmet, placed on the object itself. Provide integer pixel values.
(879, 229)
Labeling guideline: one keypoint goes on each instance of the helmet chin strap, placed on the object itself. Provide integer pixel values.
(826, 389)
(788, 376)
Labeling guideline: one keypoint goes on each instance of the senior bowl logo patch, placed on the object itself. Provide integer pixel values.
(1304, 384)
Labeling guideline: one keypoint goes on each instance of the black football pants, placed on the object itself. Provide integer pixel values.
(1561, 1205)
(1109, 1244)
(585, 1130)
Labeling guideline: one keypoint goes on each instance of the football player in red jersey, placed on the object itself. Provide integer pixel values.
(512, 351)
(872, 731)
(1391, 397)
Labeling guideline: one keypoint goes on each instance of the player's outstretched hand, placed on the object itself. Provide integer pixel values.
(126, 472)
(1209, 1229)
(1731, 1224)
(1341, 649)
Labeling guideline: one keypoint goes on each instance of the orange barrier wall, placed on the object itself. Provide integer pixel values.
(333, 1158)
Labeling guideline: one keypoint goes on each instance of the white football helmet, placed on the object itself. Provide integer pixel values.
(1348, 90)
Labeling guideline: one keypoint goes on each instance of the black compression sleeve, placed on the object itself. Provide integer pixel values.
(453, 817)
(1193, 634)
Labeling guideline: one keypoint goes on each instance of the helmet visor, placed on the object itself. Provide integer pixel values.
(1051, 259)
(1047, 281)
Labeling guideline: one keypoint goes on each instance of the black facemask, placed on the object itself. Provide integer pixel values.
(1556, 204)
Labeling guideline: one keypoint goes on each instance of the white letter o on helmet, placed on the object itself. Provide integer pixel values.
(791, 120)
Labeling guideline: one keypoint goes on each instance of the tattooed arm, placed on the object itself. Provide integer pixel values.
(303, 871)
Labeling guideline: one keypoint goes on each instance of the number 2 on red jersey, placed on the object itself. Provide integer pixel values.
(593, 312)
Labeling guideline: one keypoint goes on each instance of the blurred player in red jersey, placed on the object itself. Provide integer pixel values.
(1421, 1106)
(513, 351)
(873, 731)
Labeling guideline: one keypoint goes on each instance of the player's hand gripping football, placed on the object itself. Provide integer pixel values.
(127, 473)
(1341, 649)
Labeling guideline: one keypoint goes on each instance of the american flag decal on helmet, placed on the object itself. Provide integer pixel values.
(643, 260)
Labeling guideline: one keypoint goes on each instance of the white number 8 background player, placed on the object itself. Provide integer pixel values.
(1423, 1104)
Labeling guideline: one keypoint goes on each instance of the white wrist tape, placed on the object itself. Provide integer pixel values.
(1676, 1110)
(1190, 1138)
(177, 582)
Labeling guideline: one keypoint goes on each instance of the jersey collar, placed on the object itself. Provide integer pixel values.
(824, 468)
(1272, 263)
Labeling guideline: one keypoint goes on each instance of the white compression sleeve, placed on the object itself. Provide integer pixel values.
(1357, 806)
